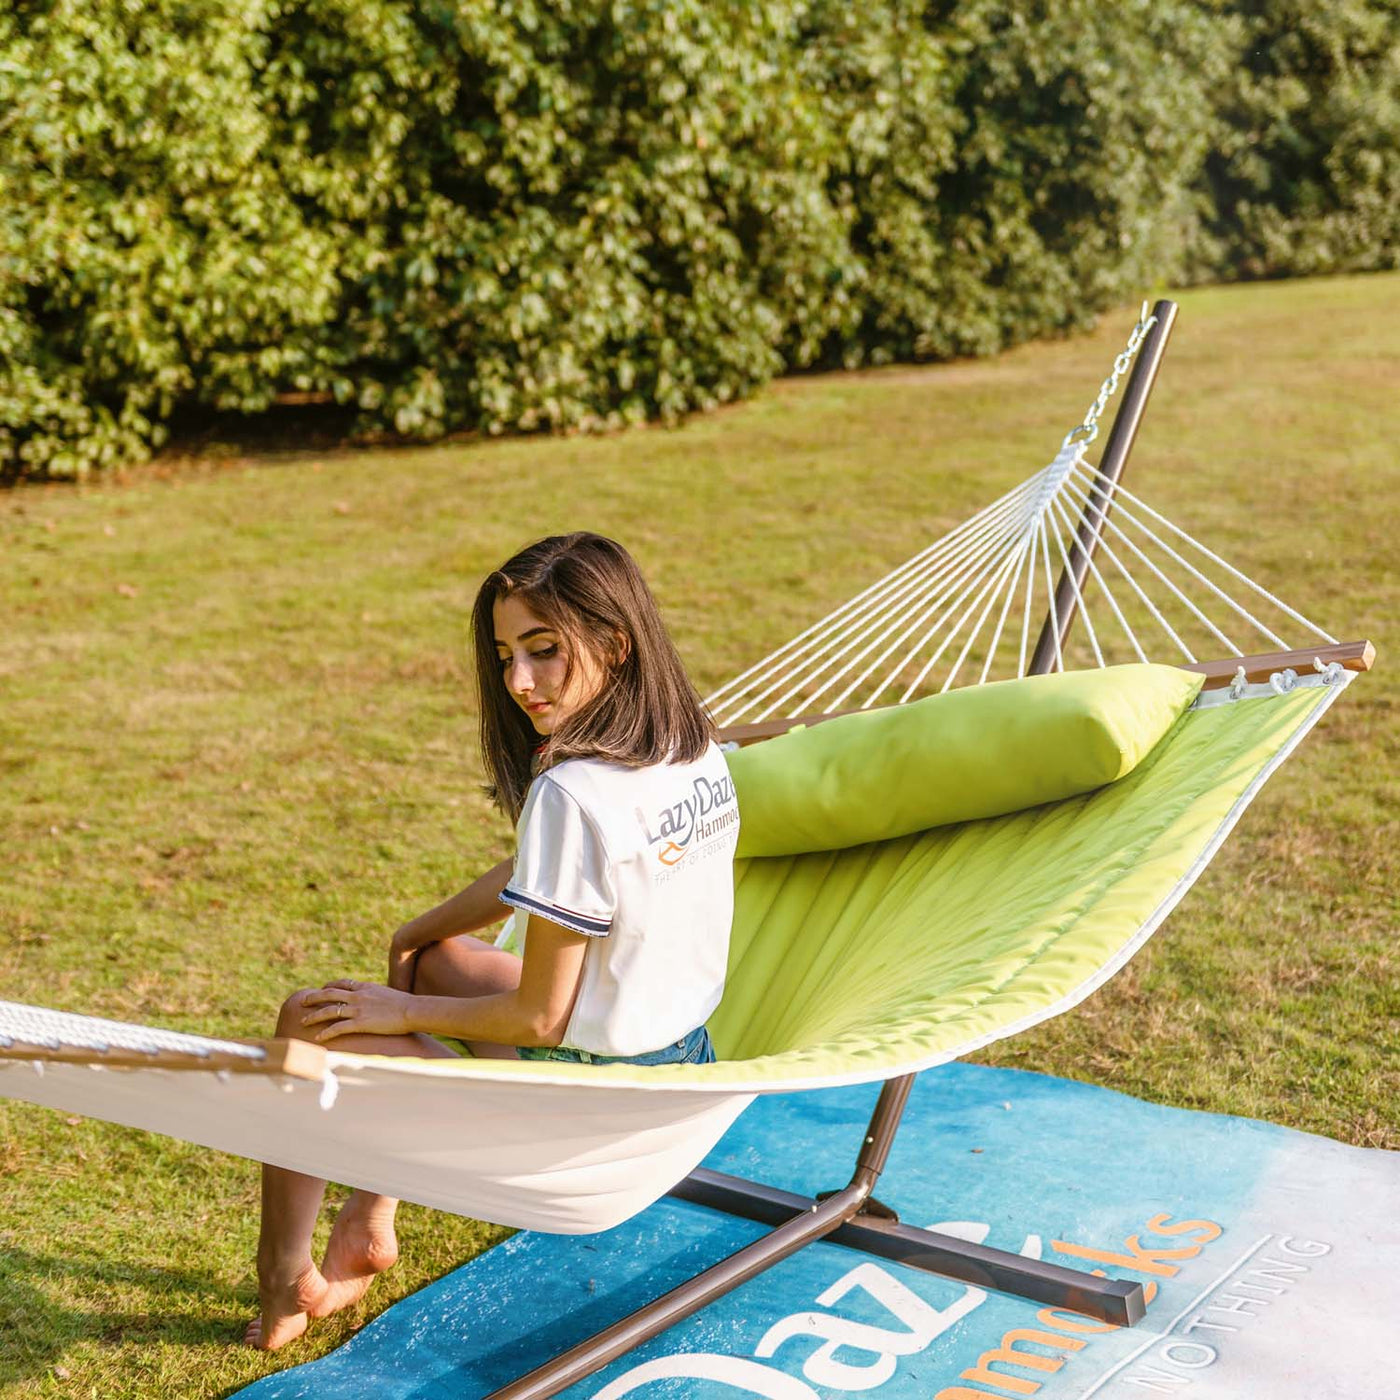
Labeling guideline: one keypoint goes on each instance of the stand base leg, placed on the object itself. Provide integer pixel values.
(849, 1217)
(1109, 1300)
(816, 1220)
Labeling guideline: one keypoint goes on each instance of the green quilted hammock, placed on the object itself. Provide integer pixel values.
(958, 869)
(848, 964)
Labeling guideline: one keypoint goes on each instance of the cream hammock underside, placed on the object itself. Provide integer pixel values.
(846, 966)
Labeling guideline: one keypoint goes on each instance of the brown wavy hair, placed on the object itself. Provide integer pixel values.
(590, 590)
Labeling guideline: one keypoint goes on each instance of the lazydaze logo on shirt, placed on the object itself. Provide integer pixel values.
(704, 815)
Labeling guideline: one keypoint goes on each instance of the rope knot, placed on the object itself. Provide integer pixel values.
(1238, 684)
(1283, 681)
(1332, 672)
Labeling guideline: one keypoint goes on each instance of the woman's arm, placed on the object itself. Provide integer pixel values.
(475, 907)
(535, 1013)
(472, 908)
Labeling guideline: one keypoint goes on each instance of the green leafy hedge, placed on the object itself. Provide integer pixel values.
(1304, 176)
(151, 248)
(585, 213)
(1061, 187)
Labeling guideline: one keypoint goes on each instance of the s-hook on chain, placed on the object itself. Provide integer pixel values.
(1090, 426)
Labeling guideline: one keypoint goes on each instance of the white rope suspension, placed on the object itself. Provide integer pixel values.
(1122, 513)
(1001, 621)
(1059, 507)
(1016, 560)
(893, 585)
(935, 630)
(993, 526)
(1121, 494)
(1176, 592)
(1080, 602)
(1107, 549)
(988, 587)
(1068, 519)
(984, 541)
(1026, 616)
(942, 583)
(994, 551)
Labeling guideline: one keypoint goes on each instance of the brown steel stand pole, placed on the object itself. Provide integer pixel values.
(850, 1217)
(821, 1218)
(1115, 457)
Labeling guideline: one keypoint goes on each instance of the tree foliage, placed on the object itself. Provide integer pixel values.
(571, 214)
(1304, 176)
(1055, 182)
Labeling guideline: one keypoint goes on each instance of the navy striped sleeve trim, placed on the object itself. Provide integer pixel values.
(565, 918)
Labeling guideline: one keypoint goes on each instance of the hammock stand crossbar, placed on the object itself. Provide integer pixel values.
(851, 1217)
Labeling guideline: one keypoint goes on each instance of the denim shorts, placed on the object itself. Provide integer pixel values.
(693, 1049)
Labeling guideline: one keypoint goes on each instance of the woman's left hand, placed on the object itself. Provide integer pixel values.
(347, 1007)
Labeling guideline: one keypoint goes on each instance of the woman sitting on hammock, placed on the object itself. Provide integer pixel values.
(599, 747)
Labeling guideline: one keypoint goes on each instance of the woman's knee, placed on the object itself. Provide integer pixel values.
(289, 1022)
(464, 967)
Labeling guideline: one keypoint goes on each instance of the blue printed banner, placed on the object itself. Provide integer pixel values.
(1269, 1258)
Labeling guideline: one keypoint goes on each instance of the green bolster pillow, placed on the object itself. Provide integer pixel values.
(976, 752)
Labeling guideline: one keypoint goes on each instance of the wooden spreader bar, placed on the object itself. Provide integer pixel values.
(298, 1058)
(1354, 656)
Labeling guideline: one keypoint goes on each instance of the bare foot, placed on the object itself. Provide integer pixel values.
(362, 1244)
(287, 1298)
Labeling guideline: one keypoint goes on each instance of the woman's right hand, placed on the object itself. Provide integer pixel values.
(403, 951)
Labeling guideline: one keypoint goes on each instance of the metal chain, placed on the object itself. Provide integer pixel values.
(1090, 426)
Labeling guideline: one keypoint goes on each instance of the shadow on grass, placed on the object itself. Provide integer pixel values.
(37, 1329)
(215, 437)
(220, 436)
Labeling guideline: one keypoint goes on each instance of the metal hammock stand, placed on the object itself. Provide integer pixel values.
(982, 561)
(852, 1216)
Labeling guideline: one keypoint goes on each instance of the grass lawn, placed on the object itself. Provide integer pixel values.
(237, 749)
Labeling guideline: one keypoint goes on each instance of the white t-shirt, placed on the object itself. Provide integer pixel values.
(640, 860)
